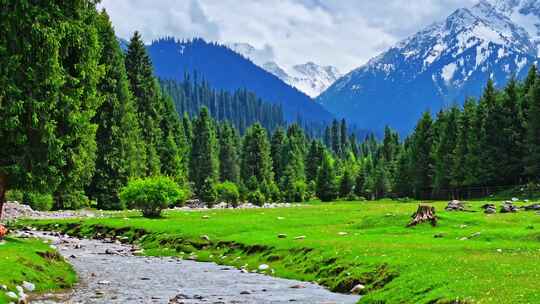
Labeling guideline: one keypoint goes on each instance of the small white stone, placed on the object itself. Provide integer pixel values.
(29, 286)
(263, 267)
(12, 295)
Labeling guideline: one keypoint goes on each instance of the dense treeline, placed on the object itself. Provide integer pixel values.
(80, 119)
(240, 107)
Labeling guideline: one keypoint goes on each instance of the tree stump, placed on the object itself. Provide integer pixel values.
(424, 213)
(3, 232)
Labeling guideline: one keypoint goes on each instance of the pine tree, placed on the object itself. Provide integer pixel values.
(492, 153)
(326, 180)
(256, 161)
(512, 134)
(444, 146)
(120, 152)
(229, 169)
(464, 129)
(346, 184)
(314, 160)
(532, 160)
(173, 145)
(421, 155)
(277, 151)
(48, 99)
(203, 160)
(336, 138)
(148, 102)
(343, 140)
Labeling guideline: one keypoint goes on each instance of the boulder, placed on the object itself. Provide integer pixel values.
(489, 208)
(455, 205)
(508, 207)
(3, 232)
(532, 207)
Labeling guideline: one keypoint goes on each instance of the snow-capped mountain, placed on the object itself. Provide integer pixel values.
(310, 78)
(442, 64)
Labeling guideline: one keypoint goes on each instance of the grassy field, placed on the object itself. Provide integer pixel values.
(470, 257)
(35, 262)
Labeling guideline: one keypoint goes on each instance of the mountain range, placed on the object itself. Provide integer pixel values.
(228, 70)
(310, 78)
(440, 65)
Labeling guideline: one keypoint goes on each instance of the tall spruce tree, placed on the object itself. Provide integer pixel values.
(48, 96)
(314, 160)
(203, 160)
(444, 146)
(532, 160)
(120, 152)
(277, 151)
(256, 164)
(229, 168)
(147, 99)
(421, 155)
(326, 180)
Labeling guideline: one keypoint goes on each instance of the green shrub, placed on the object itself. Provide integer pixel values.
(151, 195)
(73, 200)
(39, 201)
(256, 198)
(14, 196)
(352, 197)
(228, 193)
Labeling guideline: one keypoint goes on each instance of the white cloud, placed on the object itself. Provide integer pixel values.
(344, 33)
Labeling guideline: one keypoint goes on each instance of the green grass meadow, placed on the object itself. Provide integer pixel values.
(33, 261)
(470, 257)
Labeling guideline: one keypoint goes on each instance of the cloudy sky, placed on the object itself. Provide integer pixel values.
(343, 33)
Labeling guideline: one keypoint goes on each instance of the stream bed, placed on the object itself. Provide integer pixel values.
(110, 273)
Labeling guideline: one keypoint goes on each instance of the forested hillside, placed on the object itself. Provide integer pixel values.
(227, 70)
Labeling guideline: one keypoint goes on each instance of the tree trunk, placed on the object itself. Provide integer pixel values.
(3, 189)
(423, 214)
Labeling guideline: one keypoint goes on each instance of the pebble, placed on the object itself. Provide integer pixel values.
(282, 236)
(245, 292)
(263, 267)
(342, 233)
(301, 237)
(104, 282)
(28, 286)
(357, 289)
(12, 295)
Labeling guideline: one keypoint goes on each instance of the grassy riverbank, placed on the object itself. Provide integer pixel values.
(35, 262)
(470, 257)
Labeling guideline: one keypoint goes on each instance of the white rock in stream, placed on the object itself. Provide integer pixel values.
(28, 286)
(263, 267)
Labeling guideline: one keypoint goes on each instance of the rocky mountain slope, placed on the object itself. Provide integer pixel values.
(440, 65)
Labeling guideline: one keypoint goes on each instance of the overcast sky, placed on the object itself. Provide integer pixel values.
(343, 33)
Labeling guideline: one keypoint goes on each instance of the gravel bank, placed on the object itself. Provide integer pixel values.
(110, 273)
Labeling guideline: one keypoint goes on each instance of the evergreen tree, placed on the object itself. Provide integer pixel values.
(421, 154)
(148, 102)
(203, 160)
(48, 99)
(120, 152)
(512, 135)
(532, 160)
(173, 146)
(343, 140)
(346, 184)
(326, 180)
(277, 151)
(336, 138)
(229, 169)
(444, 146)
(314, 160)
(256, 162)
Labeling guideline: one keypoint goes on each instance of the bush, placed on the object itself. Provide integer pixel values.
(352, 197)
(228, 193)
(256, 198)
(39, 201)
(14, 196)
(73, 200)
(151, 195)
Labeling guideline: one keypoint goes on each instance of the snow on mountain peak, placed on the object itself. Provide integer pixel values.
(310, 78)
(441, 64)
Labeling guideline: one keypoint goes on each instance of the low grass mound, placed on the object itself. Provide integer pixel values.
(469, 257)
(35, 262)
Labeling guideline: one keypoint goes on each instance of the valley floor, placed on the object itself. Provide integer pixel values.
(470, 257)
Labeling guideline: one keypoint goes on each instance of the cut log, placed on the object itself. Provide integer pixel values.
(424, 213)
